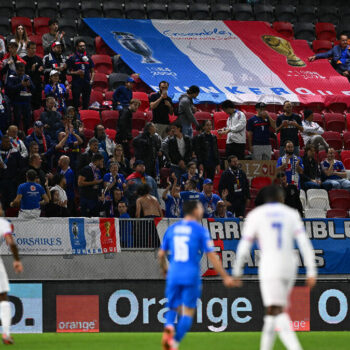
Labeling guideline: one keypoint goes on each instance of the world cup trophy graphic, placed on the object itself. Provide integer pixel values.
(135, 45)
(107, 225)
(284, 48)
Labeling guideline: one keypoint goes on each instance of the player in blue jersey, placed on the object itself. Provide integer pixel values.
(185, 242)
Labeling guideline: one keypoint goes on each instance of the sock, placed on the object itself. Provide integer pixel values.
(170, 318)
(5, 315)
(286, 333)
(268, 333)
(183, 327)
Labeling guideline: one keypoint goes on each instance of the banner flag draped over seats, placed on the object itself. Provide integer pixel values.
(246, 62)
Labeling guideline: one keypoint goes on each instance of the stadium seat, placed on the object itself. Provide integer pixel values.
(69, 9)
(5, 26)
(41, 25)
(318, 198)
(37, 39)
(319, 46)
(111, 133)
(334, 122)
(103, 64)
(199, 11)
(315, 214)
(177, 10)
(220, 120)
(285, 13)
(302, 197)
(306, 14)
(47, 8)
(328, 14)
(264, 13)
(304, 31)
(346, 138)
(68, 25)
(90, 47)
(318, 118)
(340, 202)
(333, 194)
(325, 31)
(334, 139)
(156, 10)
(110, 119)
(90, 118)
(113, 9)
(260, 182)
(100, 82)
(109, 95)
(24, 21)
(91, 9)
(96, 96)
(102, 48)
(37, 113)
(202, 116)
(337, 213)
(139, 120)
(25, 8)
(284, 28)
(315, 106)
(135, 10)
(143, 97)
(344, 154)
(221, 12)
(336, 107)
(116, 79)
(6, 9)
(242, 12)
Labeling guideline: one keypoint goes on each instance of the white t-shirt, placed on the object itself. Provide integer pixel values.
(62, 195)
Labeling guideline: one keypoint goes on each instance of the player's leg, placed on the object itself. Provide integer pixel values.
(5, 307)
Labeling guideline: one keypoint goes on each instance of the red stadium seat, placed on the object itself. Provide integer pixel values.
(348, 121)
(337, 213)
(89, 134)
(317, 107)
(103, 64)
(284, 28)
(96, 96)
(334, 122)
(102, 48)
(139, 120)
(110, 119)
(325, 31)
(272, 115)
(111, 133)
(344, 155)
(340, 203)
(143, 97)
(100, 82)
(109, 95)
(216, 181)
(39, 44)
(260, 182)
(135, 133)
(346, 137)
(319, 46)
(41, 25)
(202, 116)
(90, 118)
(337, 107)
(206, 107)
(24, 21)
(37, 113)
(318, 118)
(334, 139)
(276, 154)
(338, 194)
(347, 163)
(220, 120)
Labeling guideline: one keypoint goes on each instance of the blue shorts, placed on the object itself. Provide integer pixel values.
(186, 295)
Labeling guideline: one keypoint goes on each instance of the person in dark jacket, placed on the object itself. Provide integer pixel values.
(206, 150)
(55, 60)
(179, 150)
(51, 119)
(42, 138)
(5, 112)
(85, 158)
(122, 95)
(234, 180)
(124, 125)
(147, 146)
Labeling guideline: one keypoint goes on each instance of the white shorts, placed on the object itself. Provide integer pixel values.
(275, 292)
(4, 281)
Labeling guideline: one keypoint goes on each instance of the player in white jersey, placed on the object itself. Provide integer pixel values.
(276, 227)
(5, 307)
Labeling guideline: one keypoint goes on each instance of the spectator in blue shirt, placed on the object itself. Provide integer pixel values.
(57, 90)
(192, 174)
(30, 195)
(123, 94)
(291, 165)
(334, 172)
(65, 169)
(172, 201)
(81, 67)
(221, 211)
(125, 226)
(208, 198)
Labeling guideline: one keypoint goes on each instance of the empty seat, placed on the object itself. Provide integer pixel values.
(340, 202)
(69, 9)
(103, 63)
(220, 120)
(284, 28)
(202, 116)
(113, 9)
(343, 28)
(24, 21)
(306, 14)
(304, 31)
(221, 11)
(4, 26)
(102, 48)
(334, 139)
(337, 107)
(100, 82)
(285, 13)
(317, 198)
(25, 8)
(315, 214)
(325, 31)
(334, 122)
(90, 118)
(321, 46)
(47, 8)
(116, 79)
(242, 12)
(110, 119)
(264, 13)
(261, 181)
(346, 137)
(6, 8)
(156, 10)
(91, 9)
(344, 155)
(41, 25)
(135, 10)
(68, 25)
(315, 106)
(337, 213)
(199, 11)
(96, 96)
(177, 10)
(90, 47)
(143, 97)
(318, 118)
(139, 120)
(328, 14)
(37, 39)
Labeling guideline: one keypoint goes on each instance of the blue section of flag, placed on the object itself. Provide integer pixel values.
(153, 55)
(77, 235)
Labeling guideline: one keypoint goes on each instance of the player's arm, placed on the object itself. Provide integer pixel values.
(215, 261)
(45, 199)
(17, 265)
(16, 202)
(162, 261)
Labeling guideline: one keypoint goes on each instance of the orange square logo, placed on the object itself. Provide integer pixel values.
(299, 309)
(77, 313)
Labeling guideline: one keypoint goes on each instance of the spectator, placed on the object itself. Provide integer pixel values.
(146, 147)
(33, 148)
(208, 198)
(162, 106)
(55, 60)
(2, 48)
(10, 163)
(60, 183)
(21, 38)
(235, 130)
(105, 144)
(30, 196)
(8, 63)
(51, 119)
(90, 185)
(125, 226)
(93, 148)
(289, 124)
(169, 132)
(56, 90)
(334, 172)
(292, 193)
(55, 208)
(19, 88)
(81, 68)
(123, 163)
(180, 150)
(258, 128)
(172, 201)
(5, 112)
(312, 131)
(186, 111)
(122, 95)
(72, 117)
(124, 126)
(206, 150)
(147, 206)
(192, 174)
(42, 138)
(221, 211)
(34, 68)
(52, 36)
(291, 164)
(340, 56)
(190, 192)
(68, 173)
(234, 181)
(35, 163)
(16, 142)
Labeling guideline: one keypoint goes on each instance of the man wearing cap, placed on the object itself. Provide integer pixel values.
(81, 68)
(41, 138)
(55, 60)
(123, 94)
(258, 128)
(52, 36)
(208, 198)
(57, 90)
(289, 125)
(8, 63)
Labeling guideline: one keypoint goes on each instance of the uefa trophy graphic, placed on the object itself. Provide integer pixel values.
(284, 48)
(75, 230)
(135, 45)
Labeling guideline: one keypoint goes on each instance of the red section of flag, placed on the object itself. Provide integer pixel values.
(217, 243)
(299, 309)
(157, 221)
(108, 235)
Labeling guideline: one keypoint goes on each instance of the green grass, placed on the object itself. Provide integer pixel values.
(151, 341)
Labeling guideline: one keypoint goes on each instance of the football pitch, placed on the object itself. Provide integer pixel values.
(151, 341)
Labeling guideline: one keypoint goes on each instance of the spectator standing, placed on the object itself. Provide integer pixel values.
(289, 124)
(5, 112)
(123, 163)
(162, 106)
(234, 181)
(208, 198)
(334, 172)
(258, 128)
(105, 144)
(81, 68)
(312, 131)
(221, 211)
(190, 192)
(73, 117)
(124, 126)
(30, 196)
(122, 95)
(56, 90)
(60, 183)
(169, 132)
(68, 173)
(35, 163)
(235, 130)
(51, 119)
(206, 150)
(86, 157)
(52, 36)
(35, 69)
(291, 164)
(186, 111)
(172, 201)
(16, 142)
(55, 208)
(125, 226)
(192, 174)
(8, 63)
(21, 38)
(55, 60)
(19, 88)
(42, 138)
